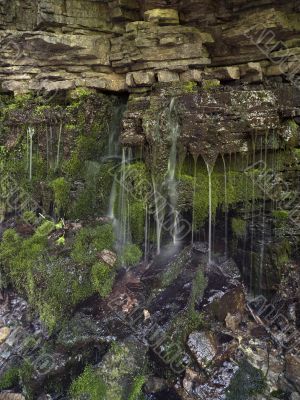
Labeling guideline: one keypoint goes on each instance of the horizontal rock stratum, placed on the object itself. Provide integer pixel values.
(128, 45)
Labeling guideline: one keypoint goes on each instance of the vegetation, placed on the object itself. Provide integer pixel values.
(102, 278)
(10, 378)
(88, 384)
(131, 255)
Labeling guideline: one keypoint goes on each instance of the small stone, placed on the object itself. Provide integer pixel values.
(232, 321)
(203, 346)
(146, 315)
(4, 333)
(191, 75)
(109, 257)
(162, 16)
(167, 76)
(252, 72)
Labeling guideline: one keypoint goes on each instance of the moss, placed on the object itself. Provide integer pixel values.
(137, 215)
(88, 384)
(131, 255)
(90, 241)
(61, 188)
(102, 278)
(10, 378)
(280, 215)
(248, 381)
(137, 386)
(210, 84)
(174, 268)
(190, 87)
(239, 227)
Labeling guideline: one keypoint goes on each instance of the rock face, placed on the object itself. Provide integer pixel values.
(55, 45)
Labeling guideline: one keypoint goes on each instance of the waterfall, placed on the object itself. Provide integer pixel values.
(160, 211)
(195, 156)
(147, 226)
(58, 144)
(123, 226)
(112, 200)
(30, 135)
(209, 162)
(172, 184)
(226, 207)
(209, 171)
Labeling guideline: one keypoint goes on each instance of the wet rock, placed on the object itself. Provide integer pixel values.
(80, 332)
(231, 303)
(123, 362)
(295, 396)
(155, 384)
(4, 333)
(232, 321)
(292, 370)
(203, 346)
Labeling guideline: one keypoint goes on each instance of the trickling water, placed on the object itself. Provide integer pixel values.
(209, 171)
(112, 200)
(30, 135)
(123, 230)
(172, 184)
(195, 156)
(160, 212)
(58, 144)
(146, 246)
(226, 206)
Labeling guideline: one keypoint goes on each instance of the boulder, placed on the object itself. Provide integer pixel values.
(231, 303)
(203, 346)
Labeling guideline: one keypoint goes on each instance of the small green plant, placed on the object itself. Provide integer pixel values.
(10, 378)
(88, 385)
(210, 84)
(61, 188)
(280, 214)
(190, 87)
(102, 278)
(90, 241)
(131, 255)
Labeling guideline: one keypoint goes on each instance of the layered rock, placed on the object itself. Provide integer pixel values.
(120, 45)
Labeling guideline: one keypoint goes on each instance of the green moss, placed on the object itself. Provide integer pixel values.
(61, 188)
(137, 387)
(102, 278)
(90, 241)
(190, 87)
(10, 378)
(280, 214)
(210, 84)
(88, 384)
(137, 221)
(239, 227)
(247, 382)
(131, 255)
